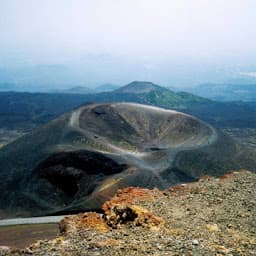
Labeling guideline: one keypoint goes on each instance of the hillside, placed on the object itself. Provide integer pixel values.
(209, 217)
(24, 111)
(138, 87)
(80, 159)
(152, 94)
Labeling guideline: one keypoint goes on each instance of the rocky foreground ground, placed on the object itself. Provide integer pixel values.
(214, 216)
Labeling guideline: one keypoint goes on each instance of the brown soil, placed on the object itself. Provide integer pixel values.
(21, 236)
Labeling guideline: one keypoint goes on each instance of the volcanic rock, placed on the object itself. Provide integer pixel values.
(80, 160)
(180, 234)
(83, 221)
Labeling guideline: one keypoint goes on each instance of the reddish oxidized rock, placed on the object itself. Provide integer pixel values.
(122, 208)
(83, 221)
(129, 196)
(139, 216)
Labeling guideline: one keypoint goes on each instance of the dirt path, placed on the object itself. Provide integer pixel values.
(21, 236)
(21, 232)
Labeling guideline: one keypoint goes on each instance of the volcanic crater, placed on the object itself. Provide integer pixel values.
(80, 159)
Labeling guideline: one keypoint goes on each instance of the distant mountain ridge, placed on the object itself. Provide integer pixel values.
(76, 90)
(226, 92)
(106, 88)
(139, 87)
(87, 90)
(153, 94)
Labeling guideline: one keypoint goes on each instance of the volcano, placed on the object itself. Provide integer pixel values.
(79, 160)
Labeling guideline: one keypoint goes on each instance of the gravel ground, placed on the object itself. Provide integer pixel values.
(209, 217)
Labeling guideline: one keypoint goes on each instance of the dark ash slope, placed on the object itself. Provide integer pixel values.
(80, 159)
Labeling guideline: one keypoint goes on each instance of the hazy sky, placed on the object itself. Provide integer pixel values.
(118, 41)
